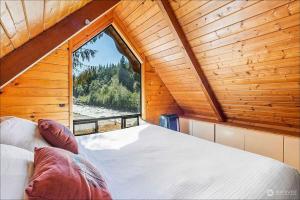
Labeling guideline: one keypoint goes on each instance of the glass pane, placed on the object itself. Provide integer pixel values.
(109, 125)
(131, 122)
(82, 129)
(106, 81)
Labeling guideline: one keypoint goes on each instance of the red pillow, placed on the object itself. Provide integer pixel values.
(60, 174)
(57, 135)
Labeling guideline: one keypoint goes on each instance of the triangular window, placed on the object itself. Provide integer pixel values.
(106, 84)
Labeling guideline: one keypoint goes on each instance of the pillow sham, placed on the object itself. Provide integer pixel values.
(16, 169)
(57, 135)
(21, 133)
(60, 174)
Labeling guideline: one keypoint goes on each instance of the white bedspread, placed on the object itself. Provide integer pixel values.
(150, 162)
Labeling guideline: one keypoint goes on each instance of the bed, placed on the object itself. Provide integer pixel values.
(151, 162)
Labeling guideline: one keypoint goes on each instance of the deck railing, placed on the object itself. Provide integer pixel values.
(96, 121)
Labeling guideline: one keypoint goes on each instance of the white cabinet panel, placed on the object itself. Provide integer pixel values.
(292, 151)
(230, 136)
(203, 130)
(265, 144)
(184, 125)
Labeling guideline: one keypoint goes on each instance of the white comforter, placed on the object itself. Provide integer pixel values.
(150, 162)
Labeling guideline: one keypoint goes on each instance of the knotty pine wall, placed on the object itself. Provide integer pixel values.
(158, 99)
(42, 91)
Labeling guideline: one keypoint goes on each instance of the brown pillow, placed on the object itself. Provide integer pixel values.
(60, 174)
(57, 135)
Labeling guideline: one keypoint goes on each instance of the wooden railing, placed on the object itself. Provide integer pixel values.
(96, 120)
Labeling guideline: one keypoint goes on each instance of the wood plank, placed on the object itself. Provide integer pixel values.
(11, 66)
(17, 14)
(38, 83)
(181, 38)
(15, 110)
(257, 20)
(31, 92)
(244, 14)
(275, 27)
(202, 10)
(187, 7)
(22, 101)
(5, 43)
(217, 14)
(34, 11)
(51, 13)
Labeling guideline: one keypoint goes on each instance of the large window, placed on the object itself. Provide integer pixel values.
(106, 84)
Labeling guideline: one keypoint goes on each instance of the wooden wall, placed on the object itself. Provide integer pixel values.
(158, 99)
(42, 91)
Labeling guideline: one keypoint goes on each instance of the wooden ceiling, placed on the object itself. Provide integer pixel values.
(22, 20)
(248, 52)
(154, 37)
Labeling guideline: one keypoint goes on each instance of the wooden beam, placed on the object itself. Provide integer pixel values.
(21, 59)
(190, 56)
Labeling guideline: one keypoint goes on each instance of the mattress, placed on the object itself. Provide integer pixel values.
(151, 162)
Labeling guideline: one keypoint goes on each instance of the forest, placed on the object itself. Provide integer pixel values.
(114, 86)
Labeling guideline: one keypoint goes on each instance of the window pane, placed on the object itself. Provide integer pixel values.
(109, 125)
(106, 80)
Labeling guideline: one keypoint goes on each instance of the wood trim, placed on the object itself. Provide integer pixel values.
(190, 56)
(18, 61)
(70, 76)
(118, 25)
(91, 31)
(143, 91)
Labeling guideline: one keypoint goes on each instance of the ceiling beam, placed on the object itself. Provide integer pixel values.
(190, 56)
(22, 58)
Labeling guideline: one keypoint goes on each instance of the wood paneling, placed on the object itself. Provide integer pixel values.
(154, 37)
(24, 19)
(189, 55)
(41, 92)
(249, 51)
(158, 99)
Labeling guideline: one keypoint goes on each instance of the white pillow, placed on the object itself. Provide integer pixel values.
(20, 133)
(16, 170)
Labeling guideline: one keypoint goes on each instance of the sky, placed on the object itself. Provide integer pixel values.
(106, 52)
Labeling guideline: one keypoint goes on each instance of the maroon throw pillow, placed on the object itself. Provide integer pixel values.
(57, 135)
(60, 174)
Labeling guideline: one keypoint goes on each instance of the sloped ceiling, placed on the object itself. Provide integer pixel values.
(21, 20)
(148, 27)
(248, 50)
